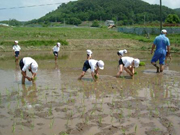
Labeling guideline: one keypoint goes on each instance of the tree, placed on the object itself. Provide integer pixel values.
(74, 21)
(172, 18)
(95, 24)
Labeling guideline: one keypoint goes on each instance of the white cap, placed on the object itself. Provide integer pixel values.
(164, 31)
(59, 44)
(34, 67)
(136, 63)
(89, 52)
(125, 51)
(101, 64)
(16, 41)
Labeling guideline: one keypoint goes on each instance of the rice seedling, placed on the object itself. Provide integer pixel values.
(156, 129)
(113, 103)
(21, 114)
(135, 128)
(157, 111)
(92, 112)
(142, 63)
(9, 104)
(102, 101)
(67, 122)
(86, 120)
(72, 113)
(51, 123)
(0, 98)
(13, 127)
(100, 119)
(63, 133)
(112, 119)
(32, 125)
(50, 110)
(123, 130)
(47, 88)
(120, 116)
(22, 128)
(129, 113)
(8, 93)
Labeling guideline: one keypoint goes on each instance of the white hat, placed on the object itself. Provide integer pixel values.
(125, 51)
(136, 63)
(16, 41)
(59, 44)
(164, 31)
(34, 67)
(89, 52)
(101, 64)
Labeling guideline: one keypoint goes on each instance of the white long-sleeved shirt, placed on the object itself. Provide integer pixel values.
(127, 61)
(56, 49)
(27, 62)
(92, 64)
(16, 48)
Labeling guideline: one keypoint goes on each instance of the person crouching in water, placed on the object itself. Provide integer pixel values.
(94, 65)
(56, 49)
(128, 64)
(16, 49)
(27, 63)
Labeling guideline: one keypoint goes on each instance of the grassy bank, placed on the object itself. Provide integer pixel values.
(75, 37)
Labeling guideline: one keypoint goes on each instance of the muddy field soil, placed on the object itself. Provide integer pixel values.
(58, 104)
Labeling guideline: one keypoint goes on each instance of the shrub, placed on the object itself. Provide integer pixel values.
(95, 24)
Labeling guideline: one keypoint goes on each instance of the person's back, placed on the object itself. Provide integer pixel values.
(127, 61)
(161, 43)
(27, 62)
(92, 64)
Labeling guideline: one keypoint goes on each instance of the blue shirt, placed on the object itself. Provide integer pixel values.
(161, 43)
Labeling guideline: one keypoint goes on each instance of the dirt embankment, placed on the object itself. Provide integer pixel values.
(105, 43)
(78, 44)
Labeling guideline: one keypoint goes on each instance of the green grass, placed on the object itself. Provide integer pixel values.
(48, 36)
(30, 33)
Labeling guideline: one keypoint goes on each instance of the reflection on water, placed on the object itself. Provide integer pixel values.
(29, 94)
(17, 74)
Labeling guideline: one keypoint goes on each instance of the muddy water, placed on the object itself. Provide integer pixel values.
(58, 103)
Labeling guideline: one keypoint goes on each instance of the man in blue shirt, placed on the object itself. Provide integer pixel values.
(162, 44)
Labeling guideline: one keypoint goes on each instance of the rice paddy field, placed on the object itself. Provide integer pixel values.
(59, 104)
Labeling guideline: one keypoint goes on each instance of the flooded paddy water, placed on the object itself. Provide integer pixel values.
(58, 104)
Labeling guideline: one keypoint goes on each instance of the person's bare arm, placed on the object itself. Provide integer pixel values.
(168, 49)
(128, 71)
(93, 76)
(24, 75)
(152, 49)
(33, 76)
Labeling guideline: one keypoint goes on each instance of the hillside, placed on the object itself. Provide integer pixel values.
(124, 11)
(178, 11)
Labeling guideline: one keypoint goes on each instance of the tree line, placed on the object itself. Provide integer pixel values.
(123, 12)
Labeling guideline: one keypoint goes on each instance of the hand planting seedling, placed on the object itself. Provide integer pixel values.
(95, 76)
